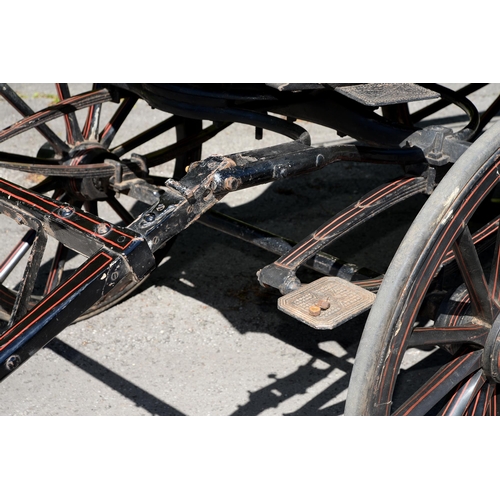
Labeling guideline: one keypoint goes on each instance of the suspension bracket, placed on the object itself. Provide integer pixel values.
(439, 145)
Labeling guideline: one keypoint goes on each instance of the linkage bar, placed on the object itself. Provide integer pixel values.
(208, 181)
(321, 262)
(281, 274)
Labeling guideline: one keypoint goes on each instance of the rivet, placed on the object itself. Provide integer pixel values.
(149, 217)
(13, 362)
(20, 220)
(323, 304)
(102, 228)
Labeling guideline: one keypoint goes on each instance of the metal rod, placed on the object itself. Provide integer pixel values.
(16, 255)
(322, 262)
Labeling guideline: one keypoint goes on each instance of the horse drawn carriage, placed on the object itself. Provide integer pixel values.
(70, 259)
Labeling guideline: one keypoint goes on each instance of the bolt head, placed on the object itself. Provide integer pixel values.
(20, 220)
(102, 228)
(323, 304)
(231, 184)
(13, 362)
(66, 211)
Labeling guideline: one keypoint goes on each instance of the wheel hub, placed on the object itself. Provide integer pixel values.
(88, 153)
(491, 356)
(89, 188)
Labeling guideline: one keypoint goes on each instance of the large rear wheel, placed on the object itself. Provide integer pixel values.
(439, 303)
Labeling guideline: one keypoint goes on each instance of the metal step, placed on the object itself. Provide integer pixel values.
(326, 303)
(383, 94)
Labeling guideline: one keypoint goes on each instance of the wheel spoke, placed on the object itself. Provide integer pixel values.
(7, 299)
(48, 184)
(464, 395)
(494, 406)
(494, 282)
(73, 133)
(472, 272)
(91, 206)
(120, 210)
(425, 281)
(183, 146)
(441, 383)
(482, 404)
(478, 238)
(466, 334)
(15, 101)
(57, 268)
(55, 111)
(6, 158)
(91, 127)
(146, 136)
(18, 297)
(110, 130)
(23, 298)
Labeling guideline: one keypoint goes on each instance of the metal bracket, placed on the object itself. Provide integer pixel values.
(439, 145)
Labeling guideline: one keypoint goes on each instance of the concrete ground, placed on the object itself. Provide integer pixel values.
(200, 336)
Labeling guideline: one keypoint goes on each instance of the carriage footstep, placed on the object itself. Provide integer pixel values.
(326, 303)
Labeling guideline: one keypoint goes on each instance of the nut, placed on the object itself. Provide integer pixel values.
(323, 304)
(315, 310)
(231, 184)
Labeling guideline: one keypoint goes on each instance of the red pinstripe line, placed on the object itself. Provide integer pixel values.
(456, 395)
(64, 219)
(445, 233)
(342, 220)
(476, 401)
(429, 259)
(86, 126)
(446, 373)
(41, 115)
(477, 237)
(40, 304)
(8, 297)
